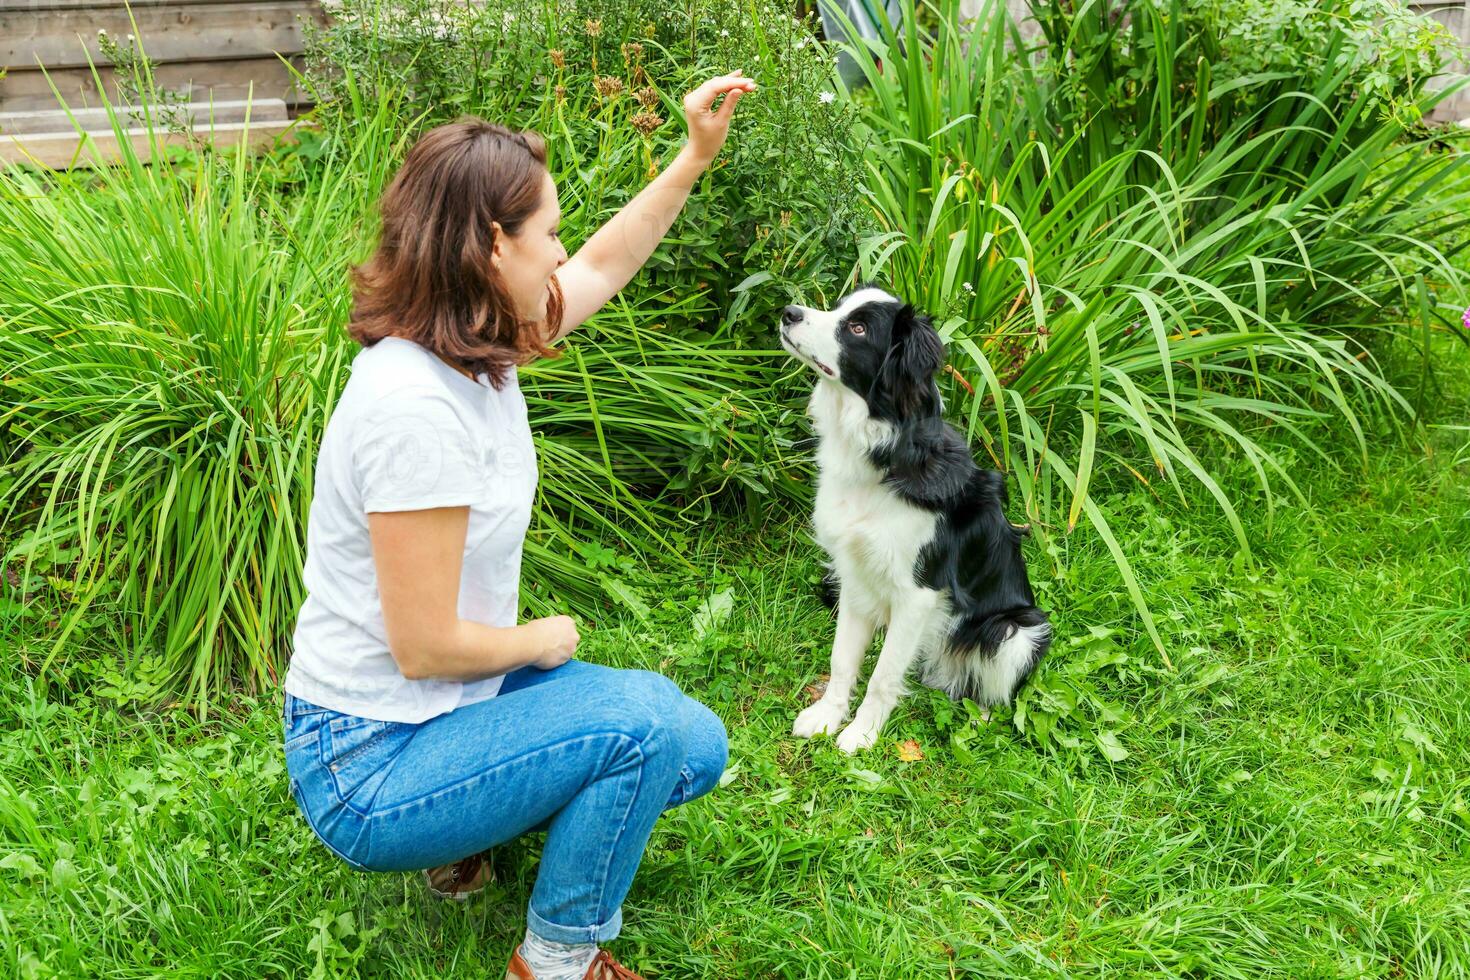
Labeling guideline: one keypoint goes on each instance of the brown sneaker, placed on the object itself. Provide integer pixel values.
(461, 879)
(602, 967)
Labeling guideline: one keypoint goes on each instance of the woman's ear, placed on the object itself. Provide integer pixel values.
(497, 235)
(915, 353)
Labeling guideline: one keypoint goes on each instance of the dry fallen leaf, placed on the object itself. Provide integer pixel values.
(909, 751)
(816, 690)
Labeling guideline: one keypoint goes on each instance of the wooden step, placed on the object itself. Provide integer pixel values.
(51, 139)
(200, 49)
(176, 32)
(32, 5)
(22, 91)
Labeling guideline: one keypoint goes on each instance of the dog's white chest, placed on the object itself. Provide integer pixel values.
(874, 537)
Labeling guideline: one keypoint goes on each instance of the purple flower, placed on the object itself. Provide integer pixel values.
(1465, 318)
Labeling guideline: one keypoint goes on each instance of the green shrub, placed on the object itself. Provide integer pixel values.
(1387, 50)
(168, 371)
(540, 67)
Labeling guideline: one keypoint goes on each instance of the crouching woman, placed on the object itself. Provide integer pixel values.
(423, 726)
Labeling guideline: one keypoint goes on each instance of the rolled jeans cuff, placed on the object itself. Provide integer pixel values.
(605, 932)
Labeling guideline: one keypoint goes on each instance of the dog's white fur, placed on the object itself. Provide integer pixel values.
(874, 539)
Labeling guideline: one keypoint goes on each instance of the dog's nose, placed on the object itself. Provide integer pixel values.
(790, 315)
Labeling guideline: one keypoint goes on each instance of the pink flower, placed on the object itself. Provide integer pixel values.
(1465, 318)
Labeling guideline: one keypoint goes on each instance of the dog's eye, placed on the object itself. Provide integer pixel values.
(856, 327)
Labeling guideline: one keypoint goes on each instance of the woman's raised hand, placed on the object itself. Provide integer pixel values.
(709, 127)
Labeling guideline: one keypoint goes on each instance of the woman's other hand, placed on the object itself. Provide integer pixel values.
(709, 127)
(561, 639)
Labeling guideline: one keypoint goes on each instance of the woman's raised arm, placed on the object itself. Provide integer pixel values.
(615, 253)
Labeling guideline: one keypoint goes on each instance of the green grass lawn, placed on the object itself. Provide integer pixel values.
(1291, 798)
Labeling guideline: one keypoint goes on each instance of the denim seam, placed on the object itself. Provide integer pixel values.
(622, 828)
(686, 786)
(300, 712)
(306, 815)
(301, 741)
(523, 757)
(334, 766)
(298, 715)
(346, 723)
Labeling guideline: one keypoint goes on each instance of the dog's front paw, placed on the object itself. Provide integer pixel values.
(858, 736)
(866, 726)
(822, 718)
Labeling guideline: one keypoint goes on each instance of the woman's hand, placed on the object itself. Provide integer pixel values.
(708, 128)
(559, 634)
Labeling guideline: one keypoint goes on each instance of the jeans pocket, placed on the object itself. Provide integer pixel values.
(354, 750)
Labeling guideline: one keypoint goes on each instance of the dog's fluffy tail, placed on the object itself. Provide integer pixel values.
(828, 589)
(987, 658)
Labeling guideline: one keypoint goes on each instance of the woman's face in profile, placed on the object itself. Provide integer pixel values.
(529, 257)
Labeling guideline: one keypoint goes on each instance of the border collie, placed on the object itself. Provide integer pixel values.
(916, 532)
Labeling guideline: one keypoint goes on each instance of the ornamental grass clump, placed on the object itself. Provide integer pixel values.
(1137, 266)
(171, 340)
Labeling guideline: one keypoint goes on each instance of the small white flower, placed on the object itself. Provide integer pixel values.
(724, 33)
(969, 288)
(827, 98)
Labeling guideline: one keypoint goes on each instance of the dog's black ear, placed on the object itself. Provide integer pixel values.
(915, 353)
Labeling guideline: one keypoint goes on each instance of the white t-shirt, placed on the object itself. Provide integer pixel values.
(409, 433)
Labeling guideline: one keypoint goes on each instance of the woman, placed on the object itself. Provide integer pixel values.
(422, 725)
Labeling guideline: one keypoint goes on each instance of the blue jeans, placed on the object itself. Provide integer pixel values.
(588, 753)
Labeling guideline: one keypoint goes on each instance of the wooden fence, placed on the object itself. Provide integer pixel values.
(1455, 15)
(216, 53)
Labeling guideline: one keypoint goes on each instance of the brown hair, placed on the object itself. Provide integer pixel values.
(431, 279)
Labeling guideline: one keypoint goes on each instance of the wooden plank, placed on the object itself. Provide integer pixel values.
(196, 113)
(1455, 16)
(1454, 109)
(228, 80)
(90, 5)
(36, 5)
(58, 150)
(1452, 17)
(177, 32)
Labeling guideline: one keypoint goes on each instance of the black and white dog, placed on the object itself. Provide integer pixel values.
(916, 532)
